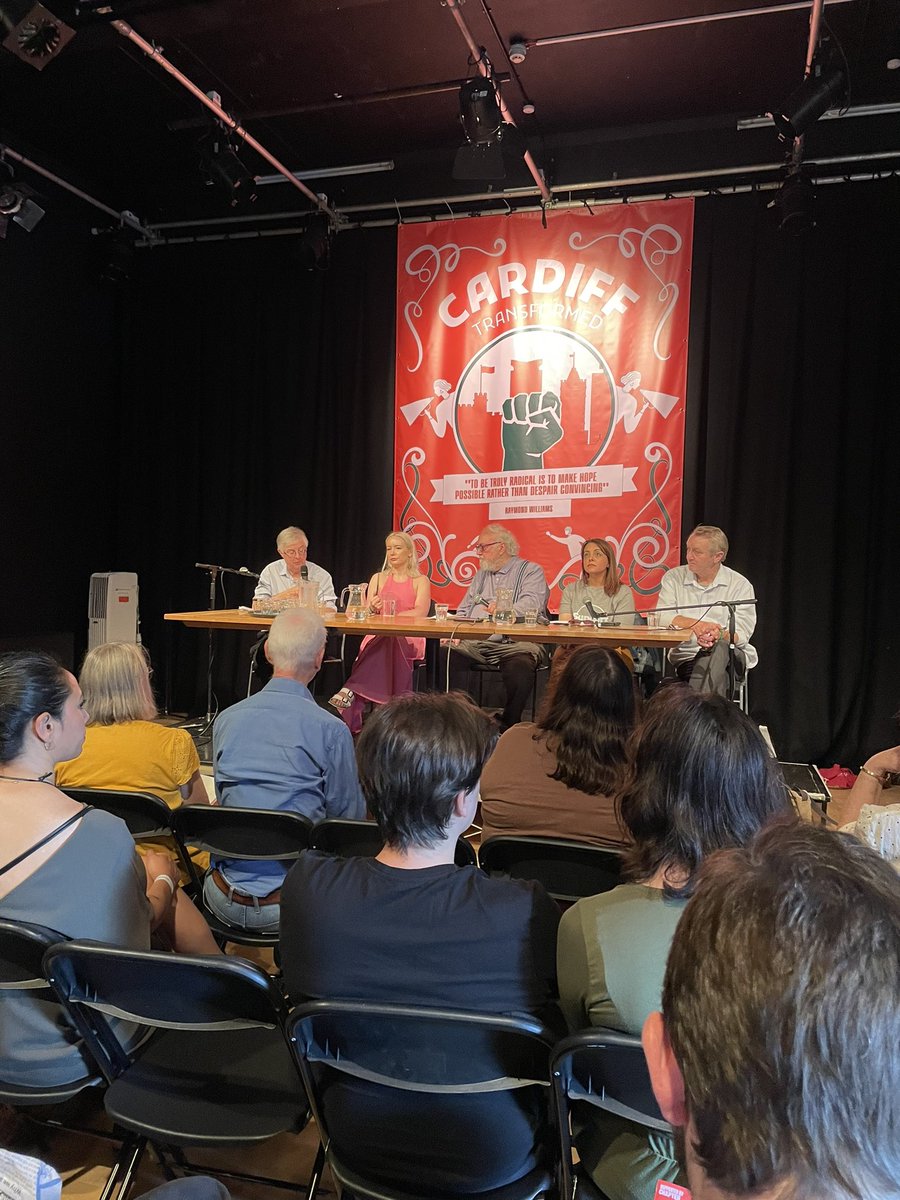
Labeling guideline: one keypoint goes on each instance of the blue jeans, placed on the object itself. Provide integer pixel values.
(263, 918)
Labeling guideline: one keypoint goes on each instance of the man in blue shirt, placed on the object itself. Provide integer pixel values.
(278, 750)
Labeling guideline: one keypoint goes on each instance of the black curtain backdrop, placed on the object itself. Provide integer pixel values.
(226, 391)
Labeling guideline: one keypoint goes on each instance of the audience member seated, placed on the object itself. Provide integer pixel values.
(699, 778)
(777, 1051)
(123, 747)
(278, 750)
(868, 817)
(558, 778)
(384, 665)
(409, 927)
(68, 867)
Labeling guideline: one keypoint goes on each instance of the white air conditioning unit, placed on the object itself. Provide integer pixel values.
(113, 608)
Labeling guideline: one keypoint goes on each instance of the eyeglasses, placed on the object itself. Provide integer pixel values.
(294, 551)
(482, 546)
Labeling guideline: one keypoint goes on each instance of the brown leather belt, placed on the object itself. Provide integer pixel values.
(239, 897)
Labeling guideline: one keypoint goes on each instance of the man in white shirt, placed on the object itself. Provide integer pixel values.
(703, 658)
(279, 579)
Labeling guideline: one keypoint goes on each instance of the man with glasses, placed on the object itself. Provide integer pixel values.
(501, 567)
(280, 579)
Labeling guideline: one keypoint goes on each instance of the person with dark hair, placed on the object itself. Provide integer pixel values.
(67, 866)
(699, 779)
(777, 1051)
(559, 777)
(410, 927)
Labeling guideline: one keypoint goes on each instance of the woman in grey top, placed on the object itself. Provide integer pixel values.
(599, 589)
(66, 866)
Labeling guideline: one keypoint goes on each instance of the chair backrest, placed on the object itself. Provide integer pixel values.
(608, 1071)
(150, 988)
(148, 818)
(362, 839)
(22, 949)
(242, 833)
(403, 1055)
(568, 870)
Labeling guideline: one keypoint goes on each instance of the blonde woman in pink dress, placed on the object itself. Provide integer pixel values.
(384, 665)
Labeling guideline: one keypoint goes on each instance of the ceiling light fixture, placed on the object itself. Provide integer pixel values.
(223, 170)
(16, 201)
(32, 33)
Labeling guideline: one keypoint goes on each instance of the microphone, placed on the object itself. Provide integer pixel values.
(247, 571)
(304, 573)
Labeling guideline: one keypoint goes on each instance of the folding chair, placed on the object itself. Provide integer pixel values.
(362, 839)
(568, 870)
(148, 818)
(22, 949)
(254, 834)
(216, 1070)
(377, 1075)
(606, 1071)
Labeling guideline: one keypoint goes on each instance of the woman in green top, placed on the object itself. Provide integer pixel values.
(699, 778)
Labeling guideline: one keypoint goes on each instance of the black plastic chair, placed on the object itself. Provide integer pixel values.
(22, 949)
(608, 1072)
(362, 839)
(254, 834)
(216, 1070)
(568, 870)
(149, 819)
(412, 1066)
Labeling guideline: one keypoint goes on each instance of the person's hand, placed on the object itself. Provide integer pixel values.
(491, 608)
(160, 864)
(530, 427)
(376, 604)
(886, 761)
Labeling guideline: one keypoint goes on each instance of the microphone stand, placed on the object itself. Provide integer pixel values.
(200, 728)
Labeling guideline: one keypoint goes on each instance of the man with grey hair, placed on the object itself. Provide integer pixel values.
(279, 580)
(279, 750)
(501, 567)
(694, 598)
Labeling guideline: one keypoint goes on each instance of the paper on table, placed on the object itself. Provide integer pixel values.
(24, 1178)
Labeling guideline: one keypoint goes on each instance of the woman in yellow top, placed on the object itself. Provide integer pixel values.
(123, 748)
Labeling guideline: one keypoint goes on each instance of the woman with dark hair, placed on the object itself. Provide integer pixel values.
(67, 866)
(600, 591)
(558, 777)
(700, 778)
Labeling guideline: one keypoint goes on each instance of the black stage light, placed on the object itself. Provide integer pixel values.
(16, 202)
(223, 169)
(794, 203)
(479, 110)
(815, 95)
(31, 32)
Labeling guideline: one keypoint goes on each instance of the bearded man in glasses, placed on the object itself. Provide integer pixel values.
(501, 567)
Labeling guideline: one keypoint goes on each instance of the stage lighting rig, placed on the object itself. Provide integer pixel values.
(16, 202)
(222, 169)
(824, 88)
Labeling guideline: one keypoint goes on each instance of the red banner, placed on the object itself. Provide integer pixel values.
(540, 383)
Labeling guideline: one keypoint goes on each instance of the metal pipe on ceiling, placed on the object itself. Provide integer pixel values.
(124, 218)
(815, 21)
(733, 189)
(160, 59)
(561, 190)
(477, 57)
(674, 23)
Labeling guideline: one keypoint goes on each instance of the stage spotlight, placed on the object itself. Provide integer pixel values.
(815, 95)
(794, 203)
(223, 169)
(16, 202)
(479, 111)
(32, 33)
